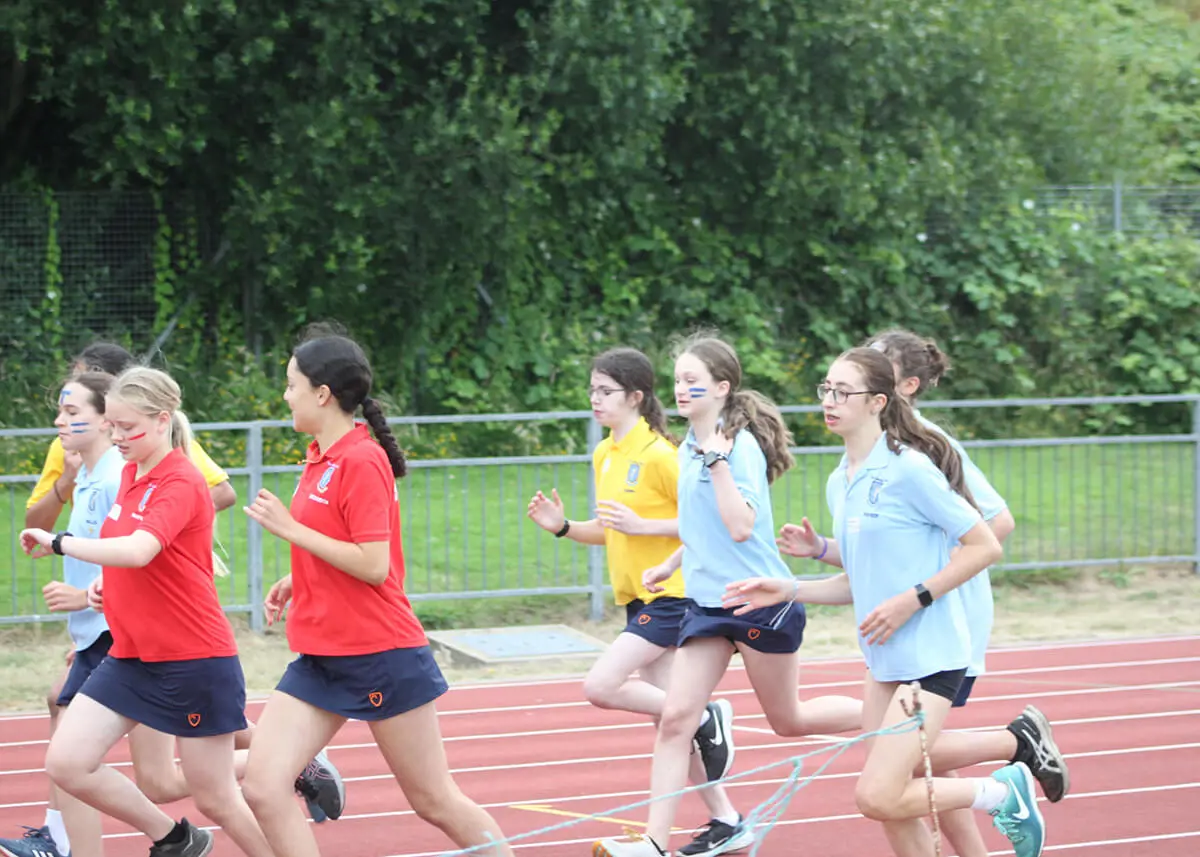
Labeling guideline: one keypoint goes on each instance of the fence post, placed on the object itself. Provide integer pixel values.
(1196, 486)
(254, 539)
(595, 553)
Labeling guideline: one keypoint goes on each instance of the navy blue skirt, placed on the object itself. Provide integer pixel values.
(83, 666)
(772, 630)
(658, 622)
(189, 699)
(366, 687)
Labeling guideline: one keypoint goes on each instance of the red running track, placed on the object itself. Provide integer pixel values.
(1126, 714)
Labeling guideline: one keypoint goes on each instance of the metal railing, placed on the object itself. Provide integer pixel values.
(1083, 501)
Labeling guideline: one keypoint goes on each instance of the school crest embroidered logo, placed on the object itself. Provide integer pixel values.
(873, 491)
(146, 496)
(375, 698)
(631, 476)
(644, 619)
(326, 478)
(193, 720)
(754, 634)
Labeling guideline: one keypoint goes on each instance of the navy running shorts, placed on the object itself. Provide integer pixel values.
(85, 663)
(188, 699)
(366, 687)
(657, 622)
(773, 630)
(964, 691)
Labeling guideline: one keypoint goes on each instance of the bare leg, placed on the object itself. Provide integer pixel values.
(288, 735)
(208, 766)
(75, 761)
(716, 799)
(411, 744)
(697, 668)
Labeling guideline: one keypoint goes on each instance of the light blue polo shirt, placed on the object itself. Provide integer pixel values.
(894, 523)
(711, 558)
(976, 593)
(95, 493)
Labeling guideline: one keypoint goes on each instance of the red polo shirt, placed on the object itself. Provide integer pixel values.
(349, 494)
(167, 610)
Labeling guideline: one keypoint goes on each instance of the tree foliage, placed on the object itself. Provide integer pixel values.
(488, 192)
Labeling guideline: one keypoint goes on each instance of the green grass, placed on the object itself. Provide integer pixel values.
(465, 528)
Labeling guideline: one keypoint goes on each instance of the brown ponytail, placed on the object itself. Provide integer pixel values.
(744, 409)
(635, 373)
(901, 423)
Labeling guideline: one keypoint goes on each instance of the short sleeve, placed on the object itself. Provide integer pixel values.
(367, 499)
(169, 509)
(930, 493)
(987, 498)
(749, 467)
(212, 472)
(52, 468)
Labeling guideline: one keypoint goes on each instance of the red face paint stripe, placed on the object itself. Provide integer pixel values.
(135, 437)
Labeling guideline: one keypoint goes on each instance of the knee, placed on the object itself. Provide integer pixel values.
(599, 691)
(875, 801)
(436, 806)
(213, 804)
(678, 723)
(161, 786)
(63, 768)
(261, 793)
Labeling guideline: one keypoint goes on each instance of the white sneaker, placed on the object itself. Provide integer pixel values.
(636, 845)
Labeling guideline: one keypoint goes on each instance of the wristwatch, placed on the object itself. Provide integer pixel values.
(712, 457)
(923, 595)
(56, 545)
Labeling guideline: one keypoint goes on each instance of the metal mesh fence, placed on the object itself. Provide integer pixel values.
(82, 265)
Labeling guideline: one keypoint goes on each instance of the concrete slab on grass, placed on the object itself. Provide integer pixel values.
(512, 645)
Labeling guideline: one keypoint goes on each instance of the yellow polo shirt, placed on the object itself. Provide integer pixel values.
(642, 472)
(53, 468)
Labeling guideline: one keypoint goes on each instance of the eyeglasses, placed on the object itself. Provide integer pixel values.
(840, 397)
(603, 392)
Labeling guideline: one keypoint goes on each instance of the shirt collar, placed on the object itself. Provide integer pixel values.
(349, 439)
(636, 438)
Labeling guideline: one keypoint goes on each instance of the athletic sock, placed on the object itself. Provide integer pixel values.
(177, 835)
(58, 832)
(989, 794)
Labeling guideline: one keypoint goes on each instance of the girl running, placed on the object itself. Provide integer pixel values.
(919, 364)
(173, 661)
(899, 501)
(636, 471)
(72, 826)
(737, 444)
(362, 651)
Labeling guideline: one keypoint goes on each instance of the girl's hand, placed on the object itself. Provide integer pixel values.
(277, 599)
(756, 593)
(799, 540)
(270, 513)
(888, 617)
(546, 513)
(617, 516)
(36, 542)
(719, 442)
(653, 577)
(62, 598)
(95, 595)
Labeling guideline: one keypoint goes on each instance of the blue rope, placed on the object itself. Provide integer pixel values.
(766, 815)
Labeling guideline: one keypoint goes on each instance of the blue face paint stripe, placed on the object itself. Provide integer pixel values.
(697, 392)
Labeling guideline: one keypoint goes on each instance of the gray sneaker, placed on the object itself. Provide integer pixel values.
(322, 788)
(197, 843)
